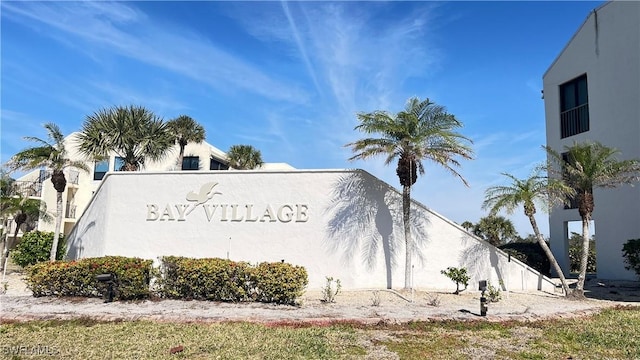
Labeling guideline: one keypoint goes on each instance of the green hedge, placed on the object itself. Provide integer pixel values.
(225, 280)
(278, 282)
(203, 279)
(178, 278)
(631, 254)
(575, 256)
(35, 246)
(78, 278)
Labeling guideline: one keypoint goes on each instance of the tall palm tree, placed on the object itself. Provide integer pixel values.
(244, 157)
(185, 130)
(133, 133)
(528, 192)
(583, 167)
(495, 229)
(50, 154)
(423, 131)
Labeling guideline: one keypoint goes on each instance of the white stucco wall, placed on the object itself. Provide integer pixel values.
(345, 223)
(79, 195)
(607, 49)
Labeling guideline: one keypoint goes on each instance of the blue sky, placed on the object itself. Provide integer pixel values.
(290, 77)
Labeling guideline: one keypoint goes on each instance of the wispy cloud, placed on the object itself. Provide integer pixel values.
(301, 45)
(126, 31)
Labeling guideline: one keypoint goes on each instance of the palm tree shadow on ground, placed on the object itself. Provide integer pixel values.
(366, 215)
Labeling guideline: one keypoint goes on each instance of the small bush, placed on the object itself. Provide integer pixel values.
(530, 254)
(493, 293)
(459, 276)
(279, 283)
(328, 291)
(78, 278)
(434, 300)
(631, 254)
(35, 247)
(375, 298)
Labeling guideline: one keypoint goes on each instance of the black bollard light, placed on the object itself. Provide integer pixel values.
(482, 286)
(109, 279)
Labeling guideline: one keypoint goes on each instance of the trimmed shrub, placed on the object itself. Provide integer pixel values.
(279, 283)
(35, 247)
(530, 254)
(204, 279)
(631, 254)
(78, 278)
(217, 279)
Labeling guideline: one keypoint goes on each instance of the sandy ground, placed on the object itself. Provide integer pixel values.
(17, 304)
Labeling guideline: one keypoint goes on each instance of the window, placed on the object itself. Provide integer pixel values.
(214, 164)
(118, 164)
(100, 168)
(191, 163)
(574, 107)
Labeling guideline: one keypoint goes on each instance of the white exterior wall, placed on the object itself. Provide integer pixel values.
(80, 194)
(607, 49)
(340, 219)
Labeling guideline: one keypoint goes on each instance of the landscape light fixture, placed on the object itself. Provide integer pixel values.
(110, 280)
(482, 286)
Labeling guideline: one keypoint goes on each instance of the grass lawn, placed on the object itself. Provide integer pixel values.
(612, 334)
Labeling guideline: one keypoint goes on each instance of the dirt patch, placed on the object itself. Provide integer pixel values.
(360, 306)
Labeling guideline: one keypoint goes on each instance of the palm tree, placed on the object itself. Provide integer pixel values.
(52, 155)
(583, 167)
(134, 133)
(467, 225)
(244, 157)
(495, 229)
(423, 131)
(185, 130)
(533, 190)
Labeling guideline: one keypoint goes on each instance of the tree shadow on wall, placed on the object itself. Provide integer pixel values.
(75, 247)
(366, 219)
(478, 257)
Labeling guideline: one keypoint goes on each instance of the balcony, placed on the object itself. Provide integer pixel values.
(574, 121)
(70, 212)
(26, 188)
(72, 176)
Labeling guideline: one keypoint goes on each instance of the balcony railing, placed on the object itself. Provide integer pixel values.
(26, 188)
(70, 213)
(72, 176)
(574, 121)
(34, 188)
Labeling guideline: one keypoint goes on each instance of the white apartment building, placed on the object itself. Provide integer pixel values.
(81, 185)
(592, 93)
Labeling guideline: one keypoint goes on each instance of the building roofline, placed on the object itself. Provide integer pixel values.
(596, 9)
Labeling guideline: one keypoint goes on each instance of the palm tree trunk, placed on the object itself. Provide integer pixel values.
(180, 157)
(406, 213)
(584, 256)
(56, 234)
(5, 242)
(547, 251)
